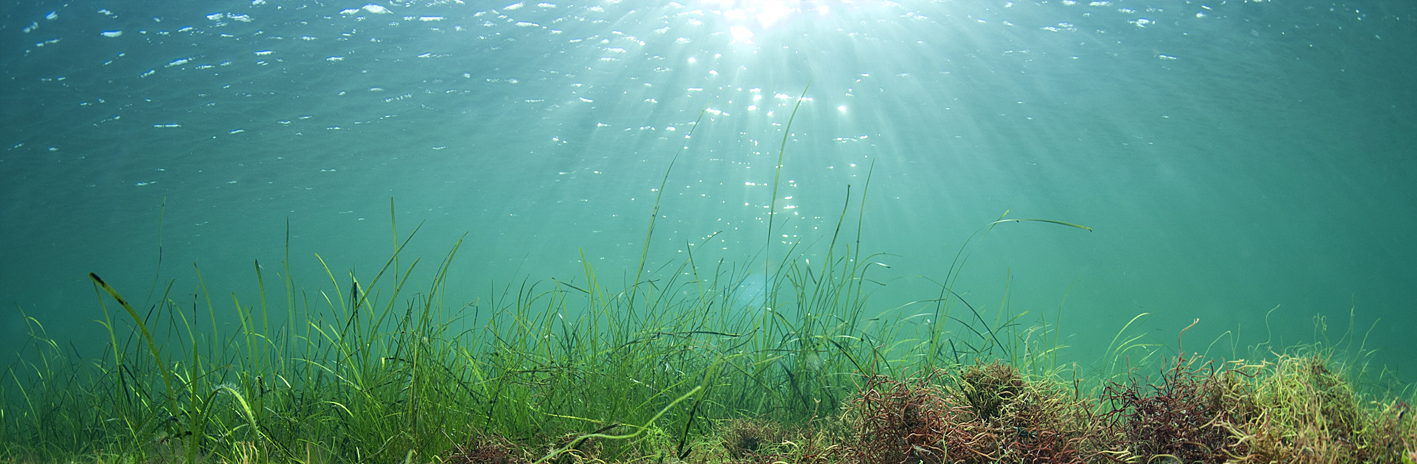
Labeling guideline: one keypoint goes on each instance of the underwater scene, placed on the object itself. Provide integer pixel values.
(618, 231)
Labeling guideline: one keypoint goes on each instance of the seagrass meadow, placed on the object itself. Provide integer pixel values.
(386, 369)
(707, 232)
(585, 371)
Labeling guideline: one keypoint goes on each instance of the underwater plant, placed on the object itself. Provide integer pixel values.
(983, 413)
(987, 388)
(1178, 419)
(1299, 410)
(903, 421)
(485, 449)
(1043, 422)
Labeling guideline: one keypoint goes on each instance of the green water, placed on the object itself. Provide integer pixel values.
(1230, 157)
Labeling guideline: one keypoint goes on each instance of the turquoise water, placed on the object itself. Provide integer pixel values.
(1230, 157)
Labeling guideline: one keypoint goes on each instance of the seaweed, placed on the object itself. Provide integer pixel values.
(1302, 411)
(986, 413)
(906, 422)
(1177, 419)
(485, 449)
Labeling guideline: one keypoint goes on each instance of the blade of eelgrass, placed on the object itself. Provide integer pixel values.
(152, 347)
(1050, 221)
(638, 430)
(776, 178)
(157, 270)
(654, 212)
(951, 276)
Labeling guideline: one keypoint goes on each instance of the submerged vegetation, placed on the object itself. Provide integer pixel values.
(382, 369)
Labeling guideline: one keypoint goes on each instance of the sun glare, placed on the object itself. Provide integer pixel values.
(741, 34)
(748, 19)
